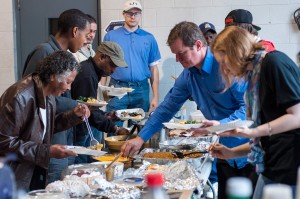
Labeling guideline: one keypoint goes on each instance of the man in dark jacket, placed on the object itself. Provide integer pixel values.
(73, 29)
(28, 119)
(109, 56)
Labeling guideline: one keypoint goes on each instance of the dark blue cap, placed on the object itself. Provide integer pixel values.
(206, 26)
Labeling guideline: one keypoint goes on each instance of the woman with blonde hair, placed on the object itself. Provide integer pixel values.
(272, 101)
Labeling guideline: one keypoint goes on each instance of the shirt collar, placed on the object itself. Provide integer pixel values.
(127, 32)
(98, 71)
(207, 64)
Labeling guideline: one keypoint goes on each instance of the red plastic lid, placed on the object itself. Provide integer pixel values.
(154, 179)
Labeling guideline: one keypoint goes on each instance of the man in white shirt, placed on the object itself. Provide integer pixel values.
(87, 51)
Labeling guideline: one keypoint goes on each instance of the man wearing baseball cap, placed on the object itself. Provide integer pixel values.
(209, 31)
(239, 166)
(142, 56)
(109, 56)
(240, 16)
(243, 19)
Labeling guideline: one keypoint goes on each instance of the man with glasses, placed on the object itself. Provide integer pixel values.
(142, 56)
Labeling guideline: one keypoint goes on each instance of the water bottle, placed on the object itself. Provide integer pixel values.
(155, 183)
(239, 188)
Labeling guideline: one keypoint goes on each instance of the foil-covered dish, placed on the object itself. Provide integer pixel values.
(177, 144)
(198, 139)
(179, 175)
(187, 143)
(114, 191)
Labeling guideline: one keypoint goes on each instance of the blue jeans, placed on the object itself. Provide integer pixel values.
(261, 182)
(139, 98)
(213, 178)
(56, 166)
(86, 142)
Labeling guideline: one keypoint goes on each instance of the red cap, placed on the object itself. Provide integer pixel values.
(154, 179)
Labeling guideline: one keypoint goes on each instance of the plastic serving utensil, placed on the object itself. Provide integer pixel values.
(112, 162)
(93, 140)
(180, 155)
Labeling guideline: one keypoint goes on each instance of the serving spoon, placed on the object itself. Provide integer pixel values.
(180, 155)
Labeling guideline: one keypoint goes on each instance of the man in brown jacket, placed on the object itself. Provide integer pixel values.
(28, 118)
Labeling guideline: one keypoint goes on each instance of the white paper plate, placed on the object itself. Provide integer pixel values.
(116, 91)
(230, 126)
(85, 151)
(172, 125)
(134, 110)
(99, 104)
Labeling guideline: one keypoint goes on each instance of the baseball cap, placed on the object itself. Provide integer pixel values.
(132, 4)
(240, 16)
(206, 26)
(114, 51)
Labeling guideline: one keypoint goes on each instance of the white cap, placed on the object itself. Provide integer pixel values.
(239, 187)
(132, 4)
(277, 191)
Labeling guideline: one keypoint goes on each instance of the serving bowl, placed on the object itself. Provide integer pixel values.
(114, 143)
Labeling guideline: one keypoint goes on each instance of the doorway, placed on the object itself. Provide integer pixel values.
(36, 19)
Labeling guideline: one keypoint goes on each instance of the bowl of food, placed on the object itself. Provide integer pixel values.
(114, 143)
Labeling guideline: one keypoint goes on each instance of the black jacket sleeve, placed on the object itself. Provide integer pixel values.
(86, 85)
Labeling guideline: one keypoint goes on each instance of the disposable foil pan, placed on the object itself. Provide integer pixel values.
(195, 162)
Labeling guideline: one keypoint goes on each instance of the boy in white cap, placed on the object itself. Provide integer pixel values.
(142, 56)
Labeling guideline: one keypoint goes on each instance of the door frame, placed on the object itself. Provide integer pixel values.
(17, 15)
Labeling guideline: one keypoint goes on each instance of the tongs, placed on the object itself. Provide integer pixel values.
(93, 141)
(180, 155)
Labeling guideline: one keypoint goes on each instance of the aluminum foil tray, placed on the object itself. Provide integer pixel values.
(195, 162)
(182, 143)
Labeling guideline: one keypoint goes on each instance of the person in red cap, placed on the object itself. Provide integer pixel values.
(243, 19)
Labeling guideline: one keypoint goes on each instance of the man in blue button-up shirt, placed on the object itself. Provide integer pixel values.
(201, 80)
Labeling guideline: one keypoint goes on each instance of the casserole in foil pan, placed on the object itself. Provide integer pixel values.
(195, 162)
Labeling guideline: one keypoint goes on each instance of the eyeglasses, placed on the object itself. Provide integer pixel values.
(131, 14)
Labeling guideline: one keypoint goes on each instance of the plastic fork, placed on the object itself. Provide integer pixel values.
(93, 142)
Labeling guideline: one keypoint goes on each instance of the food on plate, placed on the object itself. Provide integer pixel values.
(107, 158)
(178, 133)
(188, 122)
(89, 100)
(96, 147)
(169, 155)
(127, 89)
(131, 114)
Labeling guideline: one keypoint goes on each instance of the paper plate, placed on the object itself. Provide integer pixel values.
(134, 110)
(85, 151)
(99, 104)
(116, 91)
(172, 125)
(229, 126)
